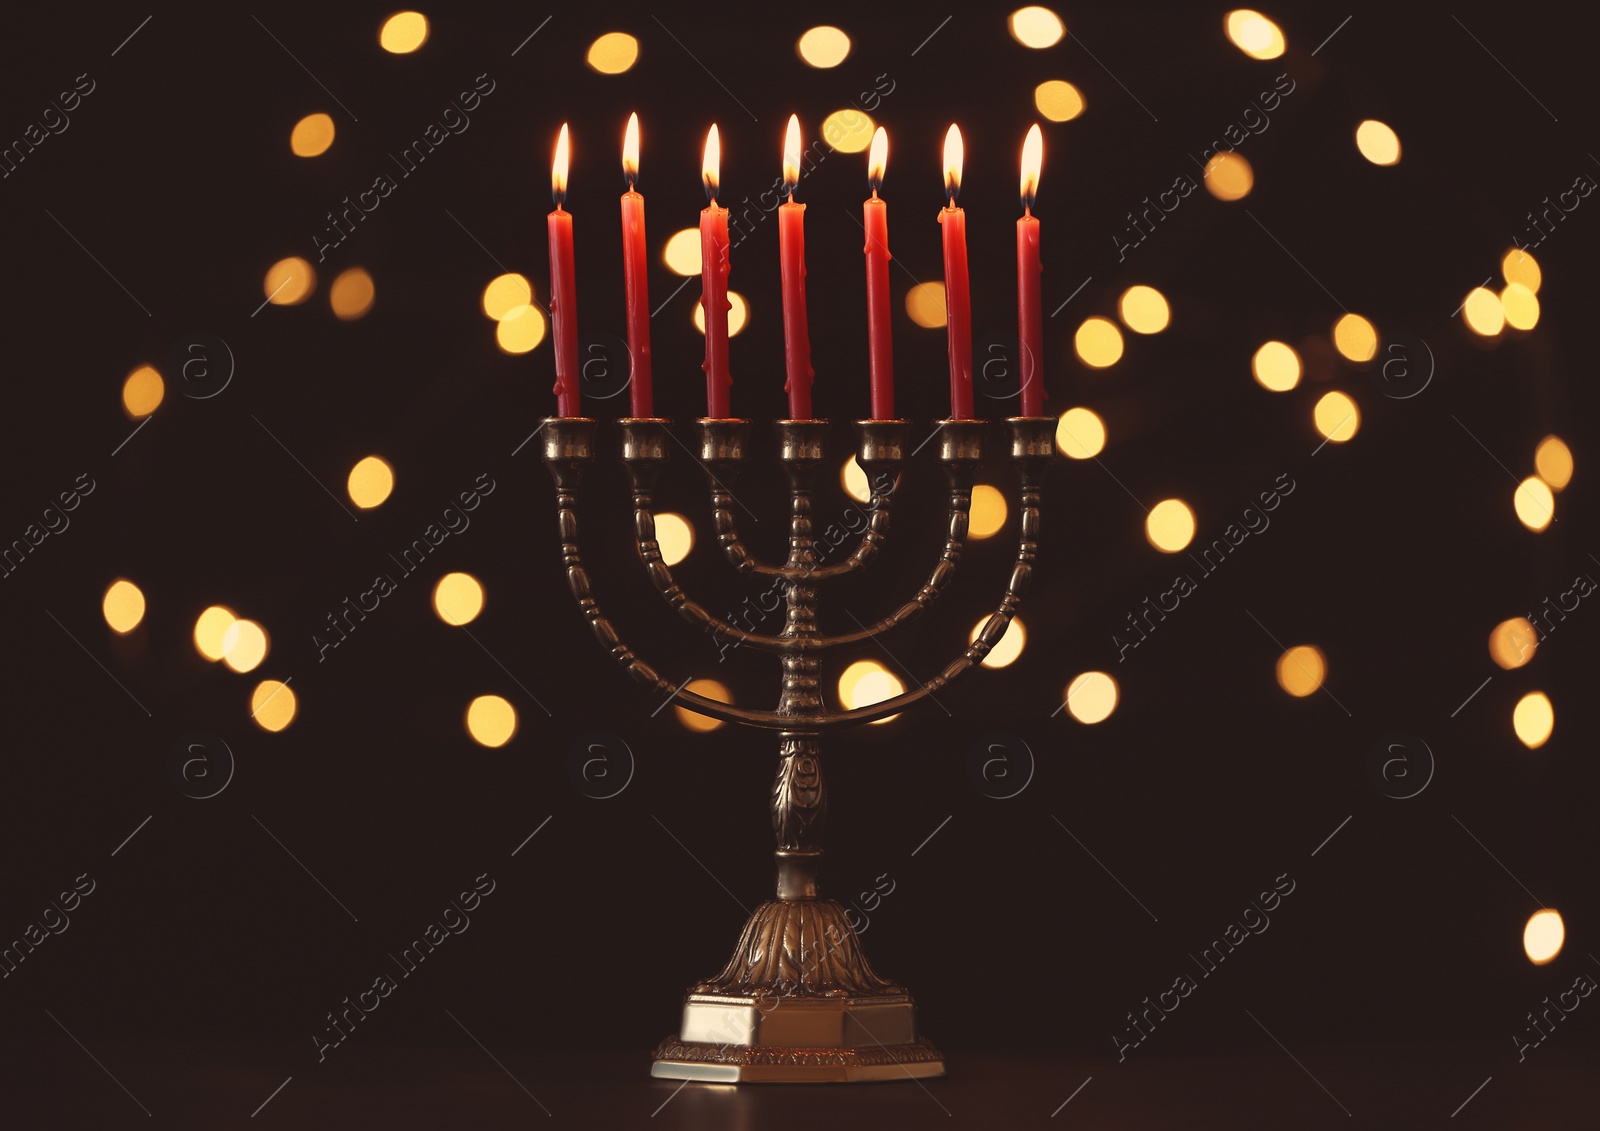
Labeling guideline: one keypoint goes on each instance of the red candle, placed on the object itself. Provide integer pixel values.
(792, 261)
(880, 341)
(1030, 326)
(714, 284)
(563, 291)
(957, 290)
(635, 282)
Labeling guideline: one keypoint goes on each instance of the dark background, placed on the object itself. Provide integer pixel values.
(1396, 554)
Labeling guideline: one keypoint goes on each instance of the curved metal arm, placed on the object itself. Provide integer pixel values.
(1030, 447)
(881, 451)
(644, 524)
(568, 448)
(944, 570)
(865, 550)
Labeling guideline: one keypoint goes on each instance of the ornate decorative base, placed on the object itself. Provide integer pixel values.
(797, 1003)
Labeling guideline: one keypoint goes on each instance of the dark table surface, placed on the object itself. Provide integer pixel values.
(54, 1083)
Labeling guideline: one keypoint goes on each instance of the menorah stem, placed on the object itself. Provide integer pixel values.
(799, 797)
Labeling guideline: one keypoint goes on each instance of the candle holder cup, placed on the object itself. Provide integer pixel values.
(798, 1001)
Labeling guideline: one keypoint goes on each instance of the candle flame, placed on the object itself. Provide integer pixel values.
(712, 164)
(878, 159)
(630, 150)
(558, 168)
(953, 156)
(791, 155)
(1032, 159)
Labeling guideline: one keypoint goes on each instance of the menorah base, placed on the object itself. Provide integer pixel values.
(797, 1003)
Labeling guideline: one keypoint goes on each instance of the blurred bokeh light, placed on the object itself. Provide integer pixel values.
(491, 721)
(1301, 670)
(1091, 697)
(823, 47)
(370, 483)
(123, 606)
(1170, 525)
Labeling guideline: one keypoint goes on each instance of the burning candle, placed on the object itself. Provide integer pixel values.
(1030, 327)
(957, 291)
(714, 283)
(880, 340)
(635, 282)
(563, 291)
(792, 261)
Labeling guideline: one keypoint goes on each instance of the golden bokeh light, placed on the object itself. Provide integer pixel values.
(1543, 936)
(1553, 461)
(1007, 648)
(289, 282)
(1355, 338)
(1521, 307)
(272, 705)
(848, 131)
(1091, 697)
(1378, 142)
(866, 682)
(403, 32)
(244, 645)
(1254, 34)
(1301, 670)
(854, 481)
(1058, 100)
(521, 330)
(458, 598)
(1144, 310)
(1228, 176)
(682, 253)
(1276, 367)
(1098, 342)
(675, 536)
(506, 293)
(211, 629)
(491, 721)
(925, 305)
(613, 53)
(738, 314)
(1533, 719)
(1534, 503)
(1170, 525)
(988, 512)
(142, 391)
(706, 689)
(1519, 267)
(1336, 416)
(1513, 642)
(1036, 27)
(123, 606)
(823, 47)
(311, 135)
(351, 294)
(1080, 434)
(1483, 313)
(370, 483)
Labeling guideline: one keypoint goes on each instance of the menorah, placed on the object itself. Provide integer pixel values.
(798, 1001)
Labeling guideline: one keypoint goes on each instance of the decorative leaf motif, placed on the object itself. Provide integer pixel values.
(799, 947)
